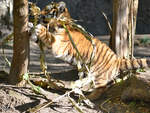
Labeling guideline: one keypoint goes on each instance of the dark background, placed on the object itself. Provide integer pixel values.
(88, 12)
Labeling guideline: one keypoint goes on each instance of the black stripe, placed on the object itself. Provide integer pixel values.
(104, 70)
(37, 40)
(105, 54)
(126, 64)
(118, 65)
(135, 64)
(105, 63)
(122, 64)
(110, 74)
(110, 71)
(98, 81)
(98, 59)
(139, 62)
(148, 62)
(132, 64)
(71, 62)
(83, 56)
(99, 54)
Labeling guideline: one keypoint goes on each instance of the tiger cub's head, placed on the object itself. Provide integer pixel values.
(51, 11)
(49, 18)
(55, 11)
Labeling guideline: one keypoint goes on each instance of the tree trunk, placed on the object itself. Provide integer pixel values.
(133, 6)
(19, 65)
(124, 24)
(120, 28)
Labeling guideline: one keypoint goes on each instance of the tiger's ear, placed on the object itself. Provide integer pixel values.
(61, 6)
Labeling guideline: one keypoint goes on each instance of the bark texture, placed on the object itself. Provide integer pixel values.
(133, 8)
(19, 64)
(120, 28)
(124, 25)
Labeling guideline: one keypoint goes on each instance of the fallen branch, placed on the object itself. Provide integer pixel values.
(41, 106)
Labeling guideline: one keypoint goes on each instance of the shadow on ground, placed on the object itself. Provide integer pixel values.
(14, 99)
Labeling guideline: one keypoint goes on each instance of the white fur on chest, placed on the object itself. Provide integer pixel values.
(58, 46)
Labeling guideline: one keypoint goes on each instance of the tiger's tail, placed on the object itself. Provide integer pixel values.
(127, 64)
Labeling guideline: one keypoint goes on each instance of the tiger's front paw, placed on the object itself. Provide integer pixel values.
(35, 33)
(30, 26)
(31, 31)
(38, 29)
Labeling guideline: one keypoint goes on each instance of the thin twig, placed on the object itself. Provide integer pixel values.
(41, 106)
(102, 105)
(72, 42)
(108, 23)
(75, 104)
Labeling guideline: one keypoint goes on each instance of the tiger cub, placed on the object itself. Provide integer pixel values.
(105, 65)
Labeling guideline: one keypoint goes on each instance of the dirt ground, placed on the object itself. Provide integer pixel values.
(19, 99)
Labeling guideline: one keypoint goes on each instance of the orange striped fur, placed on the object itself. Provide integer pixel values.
(105, 66)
